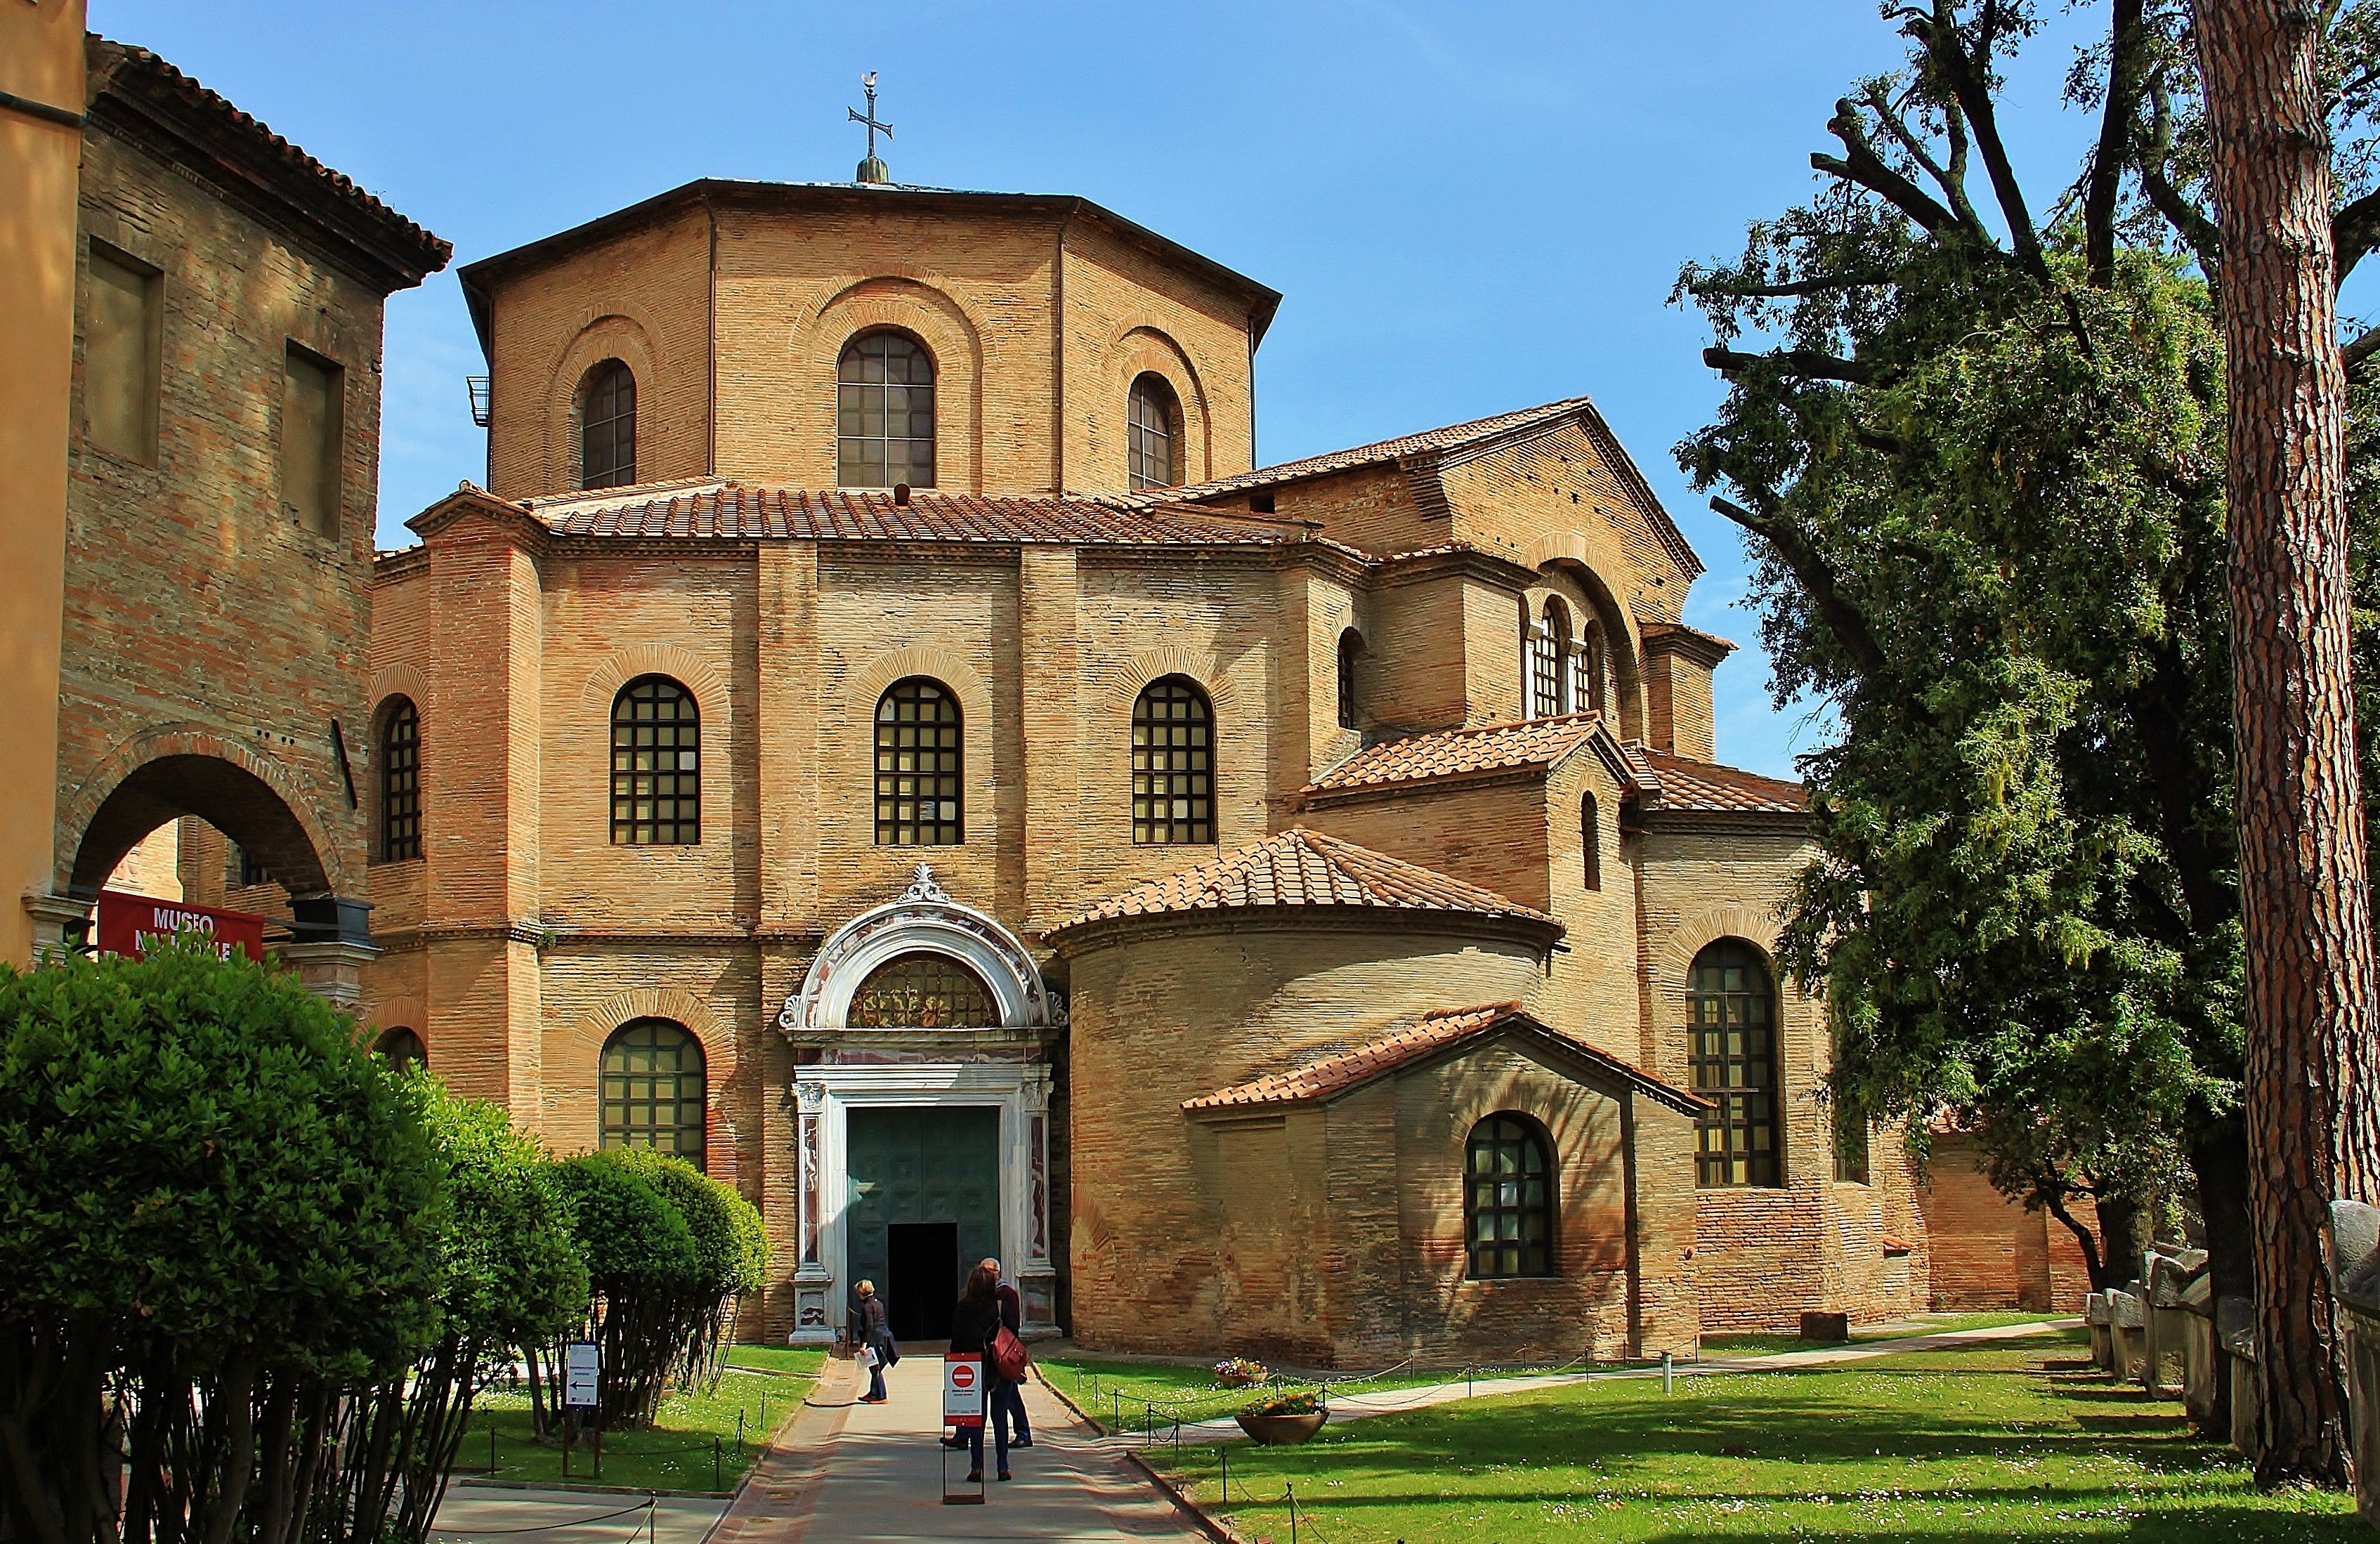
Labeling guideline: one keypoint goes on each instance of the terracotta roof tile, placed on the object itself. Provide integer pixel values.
(1451, 437)
(1333, 1070)
(1449, 752)
(1302, 867)
(1707, 786)
(734, 511)
(432, 251)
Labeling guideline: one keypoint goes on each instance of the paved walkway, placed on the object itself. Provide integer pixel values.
(1356, 1406)
(846, 1473)
(504, 1514)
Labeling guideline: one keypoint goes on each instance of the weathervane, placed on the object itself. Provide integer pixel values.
(871, 169)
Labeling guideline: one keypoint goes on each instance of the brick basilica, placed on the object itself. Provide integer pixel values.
(877, 734)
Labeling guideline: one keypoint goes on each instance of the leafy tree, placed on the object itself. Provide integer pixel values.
(511, 1281)
(214, 1209)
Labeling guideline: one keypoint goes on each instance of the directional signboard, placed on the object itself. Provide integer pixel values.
(581, 1361)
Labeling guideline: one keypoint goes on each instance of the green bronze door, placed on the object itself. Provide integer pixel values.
(915, 1178)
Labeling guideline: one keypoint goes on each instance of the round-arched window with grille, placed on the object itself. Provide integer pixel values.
(922, 991)
(654, 1093)
(656, 765)
(1508, 1199)
(1173, 763)
(401, 1049)
(1731, 1050)
(1149, 435)
(884, 412)
(607, 427)
(920, 766)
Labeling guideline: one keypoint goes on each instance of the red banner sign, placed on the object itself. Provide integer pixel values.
(128, 922)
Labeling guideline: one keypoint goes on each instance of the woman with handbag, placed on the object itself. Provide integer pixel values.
(874, 1340)
(975, 1325)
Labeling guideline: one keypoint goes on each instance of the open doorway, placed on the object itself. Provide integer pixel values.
(921, 1270)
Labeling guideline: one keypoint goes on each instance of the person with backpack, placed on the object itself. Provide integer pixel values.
(975, 1331)
(1011, 1318)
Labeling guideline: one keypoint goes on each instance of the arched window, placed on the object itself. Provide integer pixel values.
(607, 427)
(400, 1049)
(1587, 691)
(920, 763)
(1731, 1026)
(656, 765)
(400, 782)
(1590, 839)
(654, 1094)
(1148, 433)
(922, 991)
(1350, 645)
(1173, 763)
(885, 413)
(1549, 658)
(1508, 1199)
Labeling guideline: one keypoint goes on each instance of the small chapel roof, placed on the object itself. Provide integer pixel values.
(1453, 436)
(1453, 752)
(1706, 786)
(1339, 1069)
(1302, 867)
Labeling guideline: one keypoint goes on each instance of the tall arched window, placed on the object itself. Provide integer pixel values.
(920, 763)
(1148, 433)
(607, 427)
(885, 413)
(654, 1094)
(1508, 1199)
(1351, 646)
(400, 782)
(1590, 837)
(1586, 694)
(922, 991)
(1731, 1026)
(1551, 656)
(400, 1049)
(656, 765)
(1173, 763)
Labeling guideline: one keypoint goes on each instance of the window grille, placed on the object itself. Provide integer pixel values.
(400, 782)
(922, 991)
(1172, 764)
(1508, 1204)
(920, 766)
(656, 765)
(652, 1090)
(1148, 433)
(607, 427)
(885, 413)
(1731, 1029)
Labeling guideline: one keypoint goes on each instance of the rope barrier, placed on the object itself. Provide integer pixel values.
(647, 1505)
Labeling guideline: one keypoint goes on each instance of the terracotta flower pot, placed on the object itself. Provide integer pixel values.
(1241, 1380)
(1283, 1432)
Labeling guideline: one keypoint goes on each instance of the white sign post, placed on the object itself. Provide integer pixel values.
(962, 1402)
(582, 1367)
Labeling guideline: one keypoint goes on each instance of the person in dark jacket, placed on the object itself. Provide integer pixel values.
(1012, 1313)
(973, 1324)
(875, 1338)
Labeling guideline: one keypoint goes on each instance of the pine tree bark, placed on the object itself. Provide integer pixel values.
(2304, 907)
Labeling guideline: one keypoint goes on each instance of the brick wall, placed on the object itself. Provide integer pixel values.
(1988, 1252)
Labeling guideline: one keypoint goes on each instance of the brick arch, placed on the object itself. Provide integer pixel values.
(620, 333)
(868, 682)
(1572, 556)
(397, 680)
(688, 669)
(1698, 929)
(926, 312)
(1148, 349)
(175, 770)
(400, 1013)
(1125, 678)
(585, 1060)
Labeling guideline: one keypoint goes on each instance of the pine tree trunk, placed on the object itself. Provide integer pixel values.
(2303, 905)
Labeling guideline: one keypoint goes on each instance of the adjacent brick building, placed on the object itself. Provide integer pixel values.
(877, 734)
(220, 460)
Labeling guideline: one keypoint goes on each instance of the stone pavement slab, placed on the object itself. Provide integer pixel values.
(848, 1473)
(504, 1514)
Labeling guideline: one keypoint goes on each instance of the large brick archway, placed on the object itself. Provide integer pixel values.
(168, 774)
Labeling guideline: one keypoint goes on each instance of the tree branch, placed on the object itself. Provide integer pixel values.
(2359, 353)
(1818, 285)
(1817, 577)
(1861, 165)
(2126, 59)
(2197, 229)
(1806, 362)
(1969, 82)
(1952, 180)
(2355, 230)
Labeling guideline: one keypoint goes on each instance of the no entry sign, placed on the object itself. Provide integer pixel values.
(963, 1391)
(128, 922)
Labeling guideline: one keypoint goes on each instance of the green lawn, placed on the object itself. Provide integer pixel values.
(1975, 1445)
(763, 1386)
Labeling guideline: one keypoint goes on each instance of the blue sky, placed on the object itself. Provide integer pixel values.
(1470, 208)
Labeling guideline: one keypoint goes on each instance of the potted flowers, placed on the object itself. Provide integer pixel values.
(1240, 1373)
(1284, 1421)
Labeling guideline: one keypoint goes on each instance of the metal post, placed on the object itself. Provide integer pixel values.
(715, 1464)
(739, 1433)
(1293, 1511)
(1668, 1371)
(492, 1449)
(1223, 1487)
(764, 1411)
(599, 1452)
(1467, 1381)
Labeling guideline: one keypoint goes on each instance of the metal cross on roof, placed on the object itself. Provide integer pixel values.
(871, 169)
